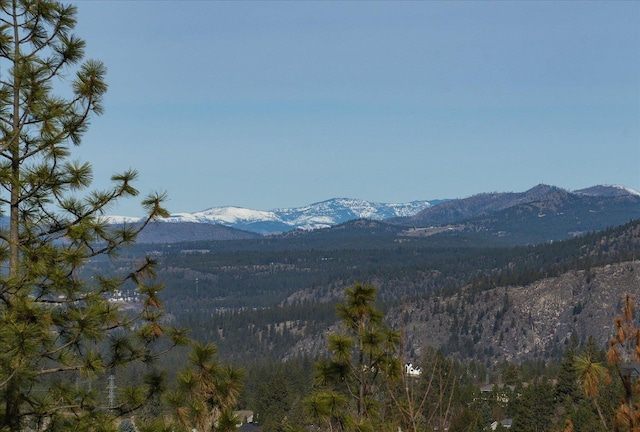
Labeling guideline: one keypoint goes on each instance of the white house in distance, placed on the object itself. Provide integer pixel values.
(412, 371)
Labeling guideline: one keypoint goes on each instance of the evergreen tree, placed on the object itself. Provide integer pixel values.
(534, 409)
(567, 386)
(206, 393)
(467, 421)
(624, 357)
(592, 376)
(585, 418)
(56, 327)
(362, 357)
(272, 404)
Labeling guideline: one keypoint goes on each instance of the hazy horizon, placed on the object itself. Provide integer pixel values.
(281, 104)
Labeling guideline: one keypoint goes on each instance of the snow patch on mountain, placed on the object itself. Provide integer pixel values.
(232, 215)
(335, 211)
(608, 191)
(120, 220)
(319, 215)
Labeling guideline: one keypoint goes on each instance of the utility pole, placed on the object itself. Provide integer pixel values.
(112, 391)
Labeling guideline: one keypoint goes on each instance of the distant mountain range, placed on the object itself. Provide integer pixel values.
(552, 211)
(318, 215)
(543, 213)
(460, 286)
(457, 210)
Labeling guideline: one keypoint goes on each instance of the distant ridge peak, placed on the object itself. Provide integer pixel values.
(336, 211)
(608, 191)
(454, 211)
(542, 190)
(322, 214)
(542, 187)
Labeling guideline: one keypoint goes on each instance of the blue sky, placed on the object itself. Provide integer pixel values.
(281, 104)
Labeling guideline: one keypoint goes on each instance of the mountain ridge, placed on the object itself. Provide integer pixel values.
(547, 200)
(490, 327)
(474, 301)
(322, 214)
(485, 204)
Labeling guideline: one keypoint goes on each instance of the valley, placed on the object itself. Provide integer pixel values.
(496, 286)
(461, 286)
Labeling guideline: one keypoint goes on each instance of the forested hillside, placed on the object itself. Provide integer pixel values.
(540, 214)
(481, 303)
(273, 297)
(490, 309)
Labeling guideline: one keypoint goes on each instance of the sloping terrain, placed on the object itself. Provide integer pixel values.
(498, 319)
(512, 284)
(471, 300)
(516, 323)
(512, 323)
(478, 205)
(314, 216)
(158, 232)
(541, 214)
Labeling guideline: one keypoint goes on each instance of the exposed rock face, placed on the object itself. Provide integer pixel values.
(518, 323)
(513, 323)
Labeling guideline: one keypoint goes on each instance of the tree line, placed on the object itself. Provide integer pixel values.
(362, 383)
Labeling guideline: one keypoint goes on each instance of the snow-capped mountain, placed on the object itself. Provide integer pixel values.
(318, 215)
(336, 211)
(608, 190)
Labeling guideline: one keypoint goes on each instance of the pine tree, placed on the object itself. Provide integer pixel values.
(56, 327)
(206, 393)
(624, 356)
(567, 386)
(534, 409)
(362, 357)
(592, 375)
(272, 403)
